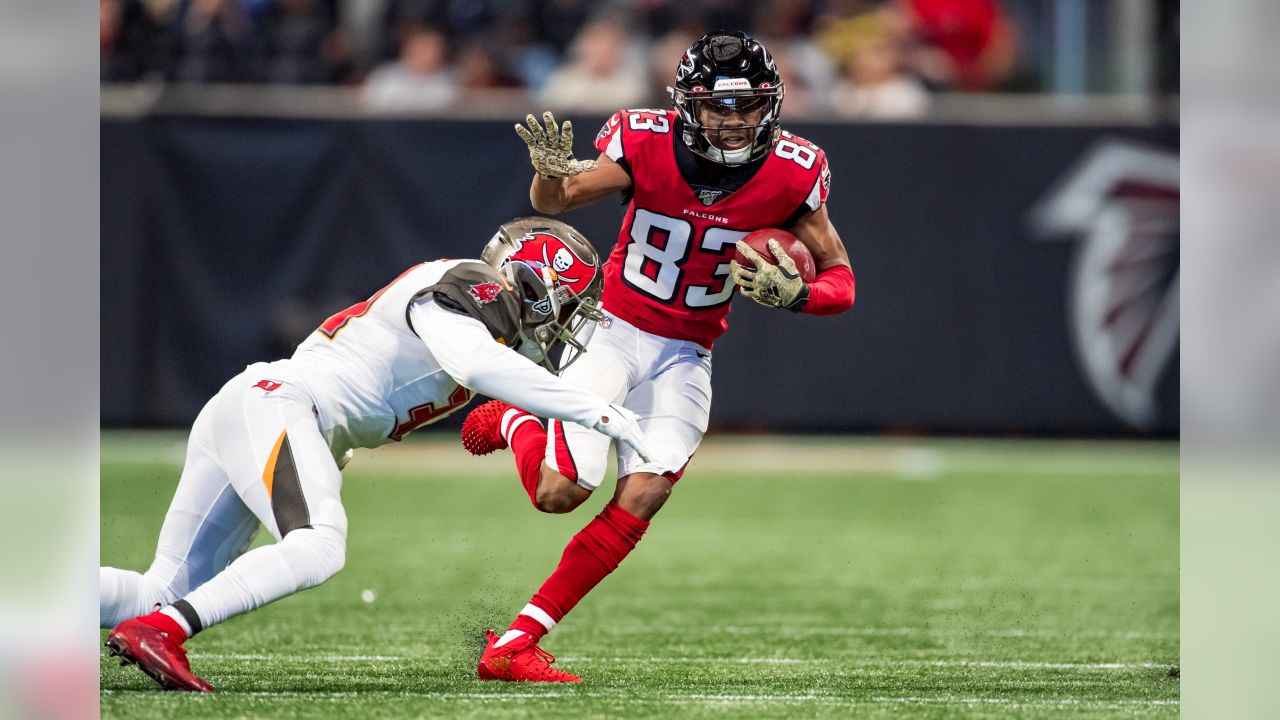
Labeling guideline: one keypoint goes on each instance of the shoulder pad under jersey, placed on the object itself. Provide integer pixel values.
(477, 290)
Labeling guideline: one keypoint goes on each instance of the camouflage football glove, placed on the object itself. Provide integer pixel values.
(622, 425)
(551, 151)
(773, 285)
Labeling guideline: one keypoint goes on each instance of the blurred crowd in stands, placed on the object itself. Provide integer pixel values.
(848, 58)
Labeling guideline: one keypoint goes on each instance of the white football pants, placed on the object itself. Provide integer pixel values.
(255, 457)
(666, 382)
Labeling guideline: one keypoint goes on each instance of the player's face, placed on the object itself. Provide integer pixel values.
(730, 128)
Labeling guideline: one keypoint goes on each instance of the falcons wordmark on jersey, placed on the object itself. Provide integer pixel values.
(669, 273)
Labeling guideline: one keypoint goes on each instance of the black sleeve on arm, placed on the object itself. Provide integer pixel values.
(477, 290)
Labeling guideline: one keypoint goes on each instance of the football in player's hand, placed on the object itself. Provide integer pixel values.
(791, 245)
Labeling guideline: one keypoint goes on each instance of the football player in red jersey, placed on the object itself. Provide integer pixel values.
(699, 177)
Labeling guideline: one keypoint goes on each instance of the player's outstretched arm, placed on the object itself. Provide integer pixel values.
(560, 182)
(556, 195)
(468, 353)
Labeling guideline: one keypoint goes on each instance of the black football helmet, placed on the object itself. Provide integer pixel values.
(732, 70)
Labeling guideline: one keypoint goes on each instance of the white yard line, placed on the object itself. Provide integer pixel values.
(1016, 701)
(305, 658)
(808, 631)
(1006, 664)
(693, 698)
(920, 631)
(1030, 665)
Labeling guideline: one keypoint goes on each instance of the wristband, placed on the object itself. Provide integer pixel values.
(801, 300)
(830, 293)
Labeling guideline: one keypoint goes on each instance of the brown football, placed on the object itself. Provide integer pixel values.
(791, 245)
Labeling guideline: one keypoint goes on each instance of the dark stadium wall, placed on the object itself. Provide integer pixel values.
(226, 240)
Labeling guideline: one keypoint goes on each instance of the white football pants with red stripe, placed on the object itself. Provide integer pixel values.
(666, 382)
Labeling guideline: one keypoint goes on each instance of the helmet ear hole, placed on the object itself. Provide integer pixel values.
(538, 303)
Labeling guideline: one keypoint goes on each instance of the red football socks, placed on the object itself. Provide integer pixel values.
(528, 441)
(592, 554)
(529, 626)
(162, 622)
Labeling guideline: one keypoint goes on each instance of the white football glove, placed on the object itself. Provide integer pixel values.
(772, 285)
(622, 425)
(551, 151)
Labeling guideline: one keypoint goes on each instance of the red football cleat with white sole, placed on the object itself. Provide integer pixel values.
(482, 430)
(520, 661)
(157, 653)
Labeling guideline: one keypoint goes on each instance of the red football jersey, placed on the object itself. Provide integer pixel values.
(669, 273)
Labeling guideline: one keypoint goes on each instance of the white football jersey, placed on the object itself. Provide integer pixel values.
(416, 350)
(372, 378)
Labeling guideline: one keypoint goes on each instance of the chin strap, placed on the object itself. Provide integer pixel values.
(737, 157)
(740, 156)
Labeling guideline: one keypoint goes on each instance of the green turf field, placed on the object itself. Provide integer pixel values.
(785, 578)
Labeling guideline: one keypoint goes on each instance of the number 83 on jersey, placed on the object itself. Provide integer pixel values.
(661, 245)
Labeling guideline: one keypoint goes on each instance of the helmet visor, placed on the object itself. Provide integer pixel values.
(747, 105)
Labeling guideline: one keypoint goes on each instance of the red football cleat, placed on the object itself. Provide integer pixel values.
(520, 660)
(482, 430)
(156, 653)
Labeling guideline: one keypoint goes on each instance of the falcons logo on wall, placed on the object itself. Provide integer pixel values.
(1121, 203)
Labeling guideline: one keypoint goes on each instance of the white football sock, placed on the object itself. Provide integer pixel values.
(538, 614)
(512, 419)
(534, 612)
(125, 594)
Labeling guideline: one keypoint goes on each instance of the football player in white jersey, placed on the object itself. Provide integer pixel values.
(268, 448)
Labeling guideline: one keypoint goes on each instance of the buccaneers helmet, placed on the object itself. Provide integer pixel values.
(558, 278)
(731, 70)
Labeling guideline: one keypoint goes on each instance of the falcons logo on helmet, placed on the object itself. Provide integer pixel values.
(685, 68)
(1121, 202)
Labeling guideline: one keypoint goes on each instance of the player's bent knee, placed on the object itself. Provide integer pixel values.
(557, 493)
(643, 494)
(551, 478)
(554, 500)
(316, 553)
